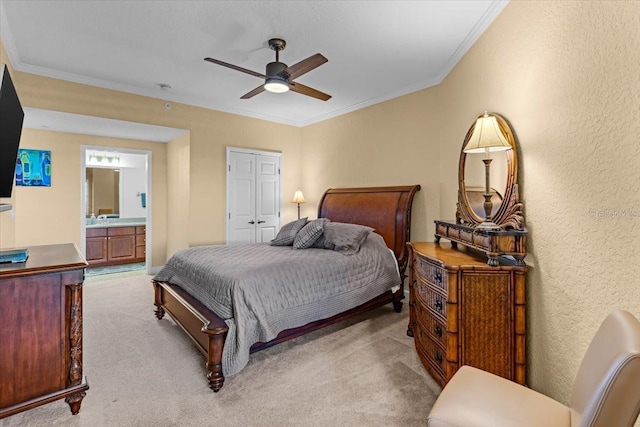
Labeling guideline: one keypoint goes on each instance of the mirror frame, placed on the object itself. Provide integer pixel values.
(510, 215)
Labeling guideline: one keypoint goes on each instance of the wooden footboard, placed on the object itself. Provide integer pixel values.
(208, 331)
(205, 328)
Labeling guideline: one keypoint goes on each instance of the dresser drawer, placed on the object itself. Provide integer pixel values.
(431, 352)
(433, 326)
(431, 273)
(122, 231)
(431, 297)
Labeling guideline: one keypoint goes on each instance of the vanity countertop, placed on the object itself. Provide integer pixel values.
(117, 222)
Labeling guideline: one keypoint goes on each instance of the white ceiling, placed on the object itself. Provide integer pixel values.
(377, 50)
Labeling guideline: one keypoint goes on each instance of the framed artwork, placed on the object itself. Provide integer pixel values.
(33, 168)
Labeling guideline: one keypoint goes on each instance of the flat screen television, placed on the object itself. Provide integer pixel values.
(11, 118)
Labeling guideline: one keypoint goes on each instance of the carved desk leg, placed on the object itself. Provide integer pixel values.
(74, 298)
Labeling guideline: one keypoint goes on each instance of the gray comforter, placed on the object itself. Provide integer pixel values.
(261, 290)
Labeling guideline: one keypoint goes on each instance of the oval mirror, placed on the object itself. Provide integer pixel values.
(502, 181)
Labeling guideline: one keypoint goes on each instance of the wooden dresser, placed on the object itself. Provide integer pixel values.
(465, 312)
(41, 329)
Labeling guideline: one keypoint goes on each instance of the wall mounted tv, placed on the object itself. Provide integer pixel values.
(11, 118)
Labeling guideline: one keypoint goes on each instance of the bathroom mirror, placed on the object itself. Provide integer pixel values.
(103, 191)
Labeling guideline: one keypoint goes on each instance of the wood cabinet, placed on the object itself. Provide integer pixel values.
(115, 245)
(141, 243)
(41, 333)
(465, 312)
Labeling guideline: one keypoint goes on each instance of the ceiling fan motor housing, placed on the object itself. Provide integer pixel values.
(275, 68)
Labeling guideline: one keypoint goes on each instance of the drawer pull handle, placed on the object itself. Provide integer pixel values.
(438, 305)
(438, 358)
(438, 277)
(438, 331)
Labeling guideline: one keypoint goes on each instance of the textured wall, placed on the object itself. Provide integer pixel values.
(567, 77)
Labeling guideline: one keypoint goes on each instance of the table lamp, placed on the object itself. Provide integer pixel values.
(487, 137)
(298, 198)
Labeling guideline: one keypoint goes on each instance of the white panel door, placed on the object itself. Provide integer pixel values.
(241, 170)
(267, 197)
(253, 196)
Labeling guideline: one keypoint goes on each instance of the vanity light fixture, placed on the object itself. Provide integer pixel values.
(103, 158)
(487, 137)
(298, 198)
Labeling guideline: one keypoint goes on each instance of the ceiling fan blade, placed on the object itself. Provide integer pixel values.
(304, 66)
(306, 90)
(253, 93)
(235, 67)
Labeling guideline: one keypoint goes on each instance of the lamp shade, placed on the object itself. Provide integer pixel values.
(298, 197)
(487, 136)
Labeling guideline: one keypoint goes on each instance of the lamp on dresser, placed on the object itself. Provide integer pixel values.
(487, 137)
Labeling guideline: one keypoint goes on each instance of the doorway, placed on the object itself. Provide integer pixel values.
(115, 190)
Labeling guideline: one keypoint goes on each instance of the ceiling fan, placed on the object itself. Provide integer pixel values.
(279, 77)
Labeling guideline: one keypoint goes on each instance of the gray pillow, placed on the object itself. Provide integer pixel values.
(322, 243)
(345, 238)
(288, 232)
(309, 234)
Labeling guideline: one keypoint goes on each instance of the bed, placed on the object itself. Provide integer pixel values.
(385, 209)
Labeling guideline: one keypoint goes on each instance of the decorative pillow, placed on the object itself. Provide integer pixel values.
(288, 232)
(310, 233)
(322, 243)
(345, 238)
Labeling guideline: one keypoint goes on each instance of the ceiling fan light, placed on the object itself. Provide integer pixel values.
(276, 85)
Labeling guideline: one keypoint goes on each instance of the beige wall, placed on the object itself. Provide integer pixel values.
(393, 143)
(47, 215)
(567, 77)
(178, 169)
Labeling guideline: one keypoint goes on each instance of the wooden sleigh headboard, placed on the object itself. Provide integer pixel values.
(386, 209)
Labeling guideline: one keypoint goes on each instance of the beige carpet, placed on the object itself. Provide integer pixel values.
(145, 372)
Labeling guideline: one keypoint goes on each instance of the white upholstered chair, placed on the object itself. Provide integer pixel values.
(606, 391)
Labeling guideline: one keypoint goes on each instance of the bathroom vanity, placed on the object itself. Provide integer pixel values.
(115, 243)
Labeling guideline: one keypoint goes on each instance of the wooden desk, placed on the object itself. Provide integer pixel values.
(41, 329)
